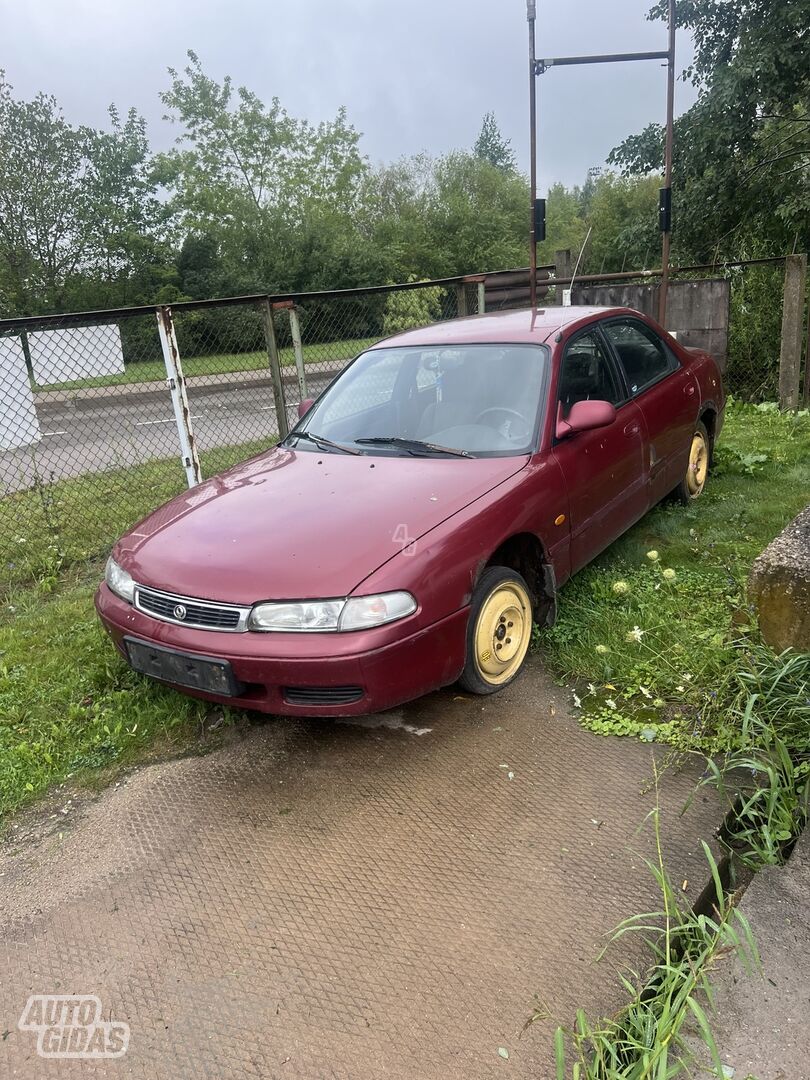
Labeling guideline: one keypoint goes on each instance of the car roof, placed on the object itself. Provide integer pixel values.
(501, 326)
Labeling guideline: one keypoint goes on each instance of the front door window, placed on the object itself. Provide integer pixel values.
(587, 374)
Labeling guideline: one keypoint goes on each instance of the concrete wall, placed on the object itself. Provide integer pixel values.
(18, 417)
(697, 311)
(77, 353)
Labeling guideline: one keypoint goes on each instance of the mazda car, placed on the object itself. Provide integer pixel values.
(421, 516)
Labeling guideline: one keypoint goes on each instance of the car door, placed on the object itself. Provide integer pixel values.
(604, 469)
(666, 393)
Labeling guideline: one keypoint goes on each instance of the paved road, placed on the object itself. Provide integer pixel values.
(352, 901)
(90, 434)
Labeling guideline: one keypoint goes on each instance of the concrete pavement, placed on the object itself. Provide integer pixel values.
(762, 1021)
(385, 897)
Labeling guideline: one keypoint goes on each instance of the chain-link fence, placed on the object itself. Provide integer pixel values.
(104, 416)
(85, 449)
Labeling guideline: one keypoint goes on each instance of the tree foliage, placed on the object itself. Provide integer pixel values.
(742, 152)
(72, 200)
(406, 309)
(492, 147)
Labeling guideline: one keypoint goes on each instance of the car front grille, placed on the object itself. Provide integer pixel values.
(189, 611)
(322, 695)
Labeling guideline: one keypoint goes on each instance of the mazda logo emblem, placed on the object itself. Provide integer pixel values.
(180, 612)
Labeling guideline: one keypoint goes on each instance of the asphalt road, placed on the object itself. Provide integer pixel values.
(380, 898)
(86, 434)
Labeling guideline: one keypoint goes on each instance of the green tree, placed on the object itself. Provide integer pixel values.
(253, 177)
(741, 153)
(74, 203)
(623, 217)
(199, 267)
(492, 147)
(566, 226)
(43, 202)
(393, 217)
(437, 217)
(477, 215)
(409, 308)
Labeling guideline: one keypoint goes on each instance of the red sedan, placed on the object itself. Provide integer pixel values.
(419, 518)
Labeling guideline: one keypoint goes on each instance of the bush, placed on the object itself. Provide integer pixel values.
(412, 307)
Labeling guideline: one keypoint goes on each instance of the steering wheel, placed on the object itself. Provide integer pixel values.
(524, 431)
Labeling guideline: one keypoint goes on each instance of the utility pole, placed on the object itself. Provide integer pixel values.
(539, 67)
(531, 14)
(665, 196)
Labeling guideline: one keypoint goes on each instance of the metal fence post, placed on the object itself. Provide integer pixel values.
(563, 267)
(790, 353)
(275, 368)
(298, 349)
(177, 388)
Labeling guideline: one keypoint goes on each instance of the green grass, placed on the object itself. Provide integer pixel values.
(218, 364)
(69, 706)
(645, 1038)
(694, 626)
(57, 525)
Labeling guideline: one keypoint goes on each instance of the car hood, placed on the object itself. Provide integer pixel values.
(298, 525)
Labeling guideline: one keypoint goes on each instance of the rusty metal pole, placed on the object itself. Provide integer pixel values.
(298, 349)
(274, 361)
(667, 191)
(531, 14)
(177, 388)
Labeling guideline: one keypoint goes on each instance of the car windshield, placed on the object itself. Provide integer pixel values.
(480, 400)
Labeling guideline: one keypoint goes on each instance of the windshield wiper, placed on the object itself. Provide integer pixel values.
(413, 446)
(322, 443)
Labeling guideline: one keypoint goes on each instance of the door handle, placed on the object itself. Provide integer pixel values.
(631, 428)
(689, 390)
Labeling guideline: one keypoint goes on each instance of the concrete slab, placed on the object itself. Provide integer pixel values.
(779, 587)
(382, 898)
(762, 1025)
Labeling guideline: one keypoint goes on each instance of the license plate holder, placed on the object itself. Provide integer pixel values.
(196, 672)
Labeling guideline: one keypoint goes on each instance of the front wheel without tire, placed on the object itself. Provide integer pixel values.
(697, 469)
(499, 631)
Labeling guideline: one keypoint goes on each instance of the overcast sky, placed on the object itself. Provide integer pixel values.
(414, 74)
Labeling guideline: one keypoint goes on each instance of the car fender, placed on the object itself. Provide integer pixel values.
(441, 568)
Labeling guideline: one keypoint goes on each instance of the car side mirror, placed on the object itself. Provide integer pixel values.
(584, 416)
(304, 406)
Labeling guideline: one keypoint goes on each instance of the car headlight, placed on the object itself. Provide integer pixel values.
(363, 611)
(119, 581)
(299, 615)
(356, 613)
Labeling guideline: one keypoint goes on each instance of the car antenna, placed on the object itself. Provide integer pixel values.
(566, 301)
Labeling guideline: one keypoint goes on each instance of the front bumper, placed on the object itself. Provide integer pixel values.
(388, 670)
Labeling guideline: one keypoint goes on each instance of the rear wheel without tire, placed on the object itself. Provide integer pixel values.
(697, 469)
(499, 631)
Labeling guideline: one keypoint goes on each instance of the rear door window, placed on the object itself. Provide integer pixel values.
(642, 354)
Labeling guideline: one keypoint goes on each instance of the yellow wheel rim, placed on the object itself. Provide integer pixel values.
(698, 465)
(502, 633)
